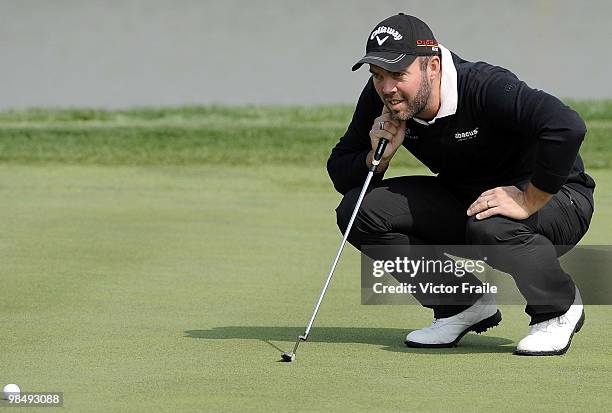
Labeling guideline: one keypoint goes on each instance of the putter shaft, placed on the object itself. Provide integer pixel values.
(377, 156)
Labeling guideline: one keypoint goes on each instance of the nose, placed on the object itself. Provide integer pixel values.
(389, 85)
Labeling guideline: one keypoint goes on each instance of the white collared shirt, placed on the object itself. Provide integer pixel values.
(448, 89)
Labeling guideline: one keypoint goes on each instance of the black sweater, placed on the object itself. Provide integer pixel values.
(502, 133)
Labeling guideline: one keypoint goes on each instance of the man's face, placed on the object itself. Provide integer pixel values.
(404, 93)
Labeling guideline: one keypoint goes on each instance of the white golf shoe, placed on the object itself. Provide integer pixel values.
(553, 337)
(446, 332)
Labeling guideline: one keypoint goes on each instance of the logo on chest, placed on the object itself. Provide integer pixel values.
(410, 134)
(465, 136)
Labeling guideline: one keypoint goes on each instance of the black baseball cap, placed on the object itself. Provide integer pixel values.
(395, 43)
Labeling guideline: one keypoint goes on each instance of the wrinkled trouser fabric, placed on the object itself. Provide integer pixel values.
(422, 210)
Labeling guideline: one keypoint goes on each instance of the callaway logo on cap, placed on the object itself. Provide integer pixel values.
(397, 41)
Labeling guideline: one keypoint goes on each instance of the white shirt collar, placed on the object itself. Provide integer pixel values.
(448, 88)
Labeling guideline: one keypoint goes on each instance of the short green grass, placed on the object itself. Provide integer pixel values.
(146, 269)
(167, 288)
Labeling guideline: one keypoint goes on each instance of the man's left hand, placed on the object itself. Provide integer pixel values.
(509, 201)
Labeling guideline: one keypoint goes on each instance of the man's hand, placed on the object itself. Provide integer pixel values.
(393, 132)
(509, 201)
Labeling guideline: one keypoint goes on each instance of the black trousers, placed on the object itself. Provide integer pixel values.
(423, 210)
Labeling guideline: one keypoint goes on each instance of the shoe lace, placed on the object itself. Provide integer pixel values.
(543, 326)
(435, 321)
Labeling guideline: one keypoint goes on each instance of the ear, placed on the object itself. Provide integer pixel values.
(435, 66)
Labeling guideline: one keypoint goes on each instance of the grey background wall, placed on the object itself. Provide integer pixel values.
(116, 54)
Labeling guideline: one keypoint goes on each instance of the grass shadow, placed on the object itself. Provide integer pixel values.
(389, 339)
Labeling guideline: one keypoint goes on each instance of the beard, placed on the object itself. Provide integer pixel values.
(415, 105)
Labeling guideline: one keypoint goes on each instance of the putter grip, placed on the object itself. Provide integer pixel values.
(380, 149)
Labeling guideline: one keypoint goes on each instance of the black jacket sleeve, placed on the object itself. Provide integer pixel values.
(347, 163)
(559, 130)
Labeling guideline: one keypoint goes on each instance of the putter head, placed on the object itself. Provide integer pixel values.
(288, 356)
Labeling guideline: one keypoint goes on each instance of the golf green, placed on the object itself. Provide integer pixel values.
(175, 288)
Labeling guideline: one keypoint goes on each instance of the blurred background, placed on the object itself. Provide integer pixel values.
(117, 54)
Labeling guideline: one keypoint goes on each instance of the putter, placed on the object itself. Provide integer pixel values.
(380, 149)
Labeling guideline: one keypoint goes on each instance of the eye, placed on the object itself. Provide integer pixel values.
(376, 76)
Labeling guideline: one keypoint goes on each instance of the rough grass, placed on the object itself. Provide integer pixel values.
(245, 135)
